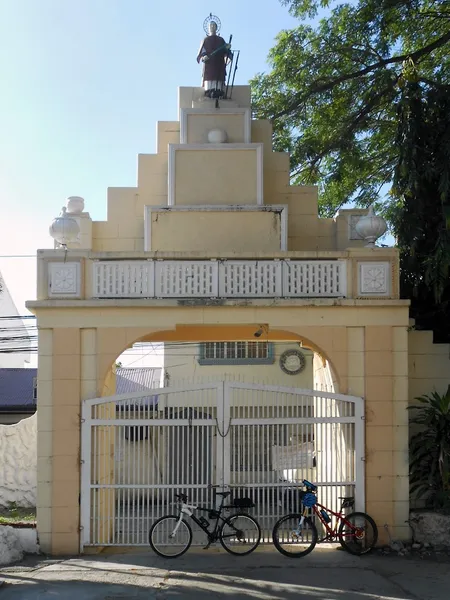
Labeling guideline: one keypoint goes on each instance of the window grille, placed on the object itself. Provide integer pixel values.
(212, 353)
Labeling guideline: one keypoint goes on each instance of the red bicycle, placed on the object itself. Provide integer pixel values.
(295, 535)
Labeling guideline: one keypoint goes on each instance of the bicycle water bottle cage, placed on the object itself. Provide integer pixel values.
(309, 500)
(311, 487)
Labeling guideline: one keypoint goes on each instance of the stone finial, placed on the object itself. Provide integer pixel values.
(371, 227)
(217, 136)
(75, 205)
(64, 229)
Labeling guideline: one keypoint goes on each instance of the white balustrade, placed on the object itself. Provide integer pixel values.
(250, 279)
(216, 279)
(327, 278)
(185, 279)
(123, 279)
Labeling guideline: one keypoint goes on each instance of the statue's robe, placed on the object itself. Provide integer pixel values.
(214, 69)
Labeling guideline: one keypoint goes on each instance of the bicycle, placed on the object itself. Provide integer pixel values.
(295, 534)
(173, 533)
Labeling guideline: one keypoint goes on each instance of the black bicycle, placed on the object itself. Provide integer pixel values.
(240, 534)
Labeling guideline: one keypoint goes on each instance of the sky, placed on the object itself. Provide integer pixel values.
(83, 84)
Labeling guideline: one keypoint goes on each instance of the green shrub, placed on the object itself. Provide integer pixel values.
(430, 450)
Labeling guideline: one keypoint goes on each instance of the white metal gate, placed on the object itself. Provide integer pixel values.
(138, 450)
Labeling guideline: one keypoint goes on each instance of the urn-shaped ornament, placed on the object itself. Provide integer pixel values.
(371, 227)
(64, 229)
(217, 136)
(75, 205)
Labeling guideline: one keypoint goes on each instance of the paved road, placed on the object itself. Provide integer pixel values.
(326, 574)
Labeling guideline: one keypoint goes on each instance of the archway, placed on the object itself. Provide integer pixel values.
(325, 375)
(258, 438)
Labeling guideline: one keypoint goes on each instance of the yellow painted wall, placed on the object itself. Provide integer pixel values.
(167, 132)
(237, 231)
(366, 346)
(65, 459)
(44, 501)
(429, 365)
(181, 364)
(152, 180)
(124, 229)
(187, 96)
(215, 177)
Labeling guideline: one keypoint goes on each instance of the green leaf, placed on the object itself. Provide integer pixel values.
(361, 101)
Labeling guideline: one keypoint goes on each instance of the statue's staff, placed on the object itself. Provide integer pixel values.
(236, 55)
(206, 57)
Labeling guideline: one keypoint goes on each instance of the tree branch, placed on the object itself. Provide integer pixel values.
(323, 87)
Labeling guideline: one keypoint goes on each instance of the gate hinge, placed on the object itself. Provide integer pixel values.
(363, 458)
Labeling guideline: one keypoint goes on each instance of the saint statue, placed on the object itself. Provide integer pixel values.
(215, 54)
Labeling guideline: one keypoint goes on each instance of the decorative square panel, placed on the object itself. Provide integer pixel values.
(374, 278)
(352, 233)
(64, 279)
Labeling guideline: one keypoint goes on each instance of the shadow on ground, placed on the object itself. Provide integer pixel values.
(323, 575)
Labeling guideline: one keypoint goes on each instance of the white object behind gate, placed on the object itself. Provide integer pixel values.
(138, 450)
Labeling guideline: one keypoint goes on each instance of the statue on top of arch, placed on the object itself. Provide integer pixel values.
(215, 54)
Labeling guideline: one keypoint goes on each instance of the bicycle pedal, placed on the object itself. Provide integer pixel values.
(207, 546)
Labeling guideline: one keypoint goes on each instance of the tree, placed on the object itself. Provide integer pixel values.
(421, 214)
(333, 90)
(360, 101)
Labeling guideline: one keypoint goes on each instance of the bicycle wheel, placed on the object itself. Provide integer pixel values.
(161, 540)
(292, 541)
(358, 533)
(240, 534)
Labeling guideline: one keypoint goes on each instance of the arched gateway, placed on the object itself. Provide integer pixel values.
(254, 439)
(214, 246)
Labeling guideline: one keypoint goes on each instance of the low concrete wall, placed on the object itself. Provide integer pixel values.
(18, 464)
(431, 528)
(14, 542)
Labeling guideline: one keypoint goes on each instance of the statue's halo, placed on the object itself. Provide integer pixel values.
(208, 20)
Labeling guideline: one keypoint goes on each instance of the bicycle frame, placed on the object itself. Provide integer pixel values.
(188, 511)
(332, 532)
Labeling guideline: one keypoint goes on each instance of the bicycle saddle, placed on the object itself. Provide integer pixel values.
(346, 498)
(224, 494)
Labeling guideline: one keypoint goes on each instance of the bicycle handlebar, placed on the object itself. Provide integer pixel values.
(181, 497)
(309, 486)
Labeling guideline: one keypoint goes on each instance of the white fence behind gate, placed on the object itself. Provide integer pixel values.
(139, 450)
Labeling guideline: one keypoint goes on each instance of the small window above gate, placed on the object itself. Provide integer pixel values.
(236, 353)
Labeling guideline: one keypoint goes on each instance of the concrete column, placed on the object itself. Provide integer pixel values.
(379, 426)
(44, 438)
(88, 363)
(66, 441)
(401, 432)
